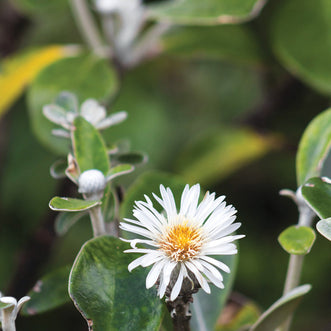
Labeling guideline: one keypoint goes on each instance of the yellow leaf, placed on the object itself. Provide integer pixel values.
(219, 154)
(19, 70)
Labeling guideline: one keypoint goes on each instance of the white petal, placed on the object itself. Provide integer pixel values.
(184, 202)
(150, 211)
(134, 242)
(202, 281)
(139, 250)
(148, 220)
(194, 198)
(154, 274)
(212, 270)
(167, 270)
(216, 263)
(216, 232)
(207, 206)
(222, 241)
(218, 218)
(169, 202)
(160, 201)
(178, 285)
(229, 249)
(216, 281)
(145, 260)
(136, 229)
(135, 263)
(225, 231)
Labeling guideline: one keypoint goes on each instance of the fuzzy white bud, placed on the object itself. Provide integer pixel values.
(91, 182)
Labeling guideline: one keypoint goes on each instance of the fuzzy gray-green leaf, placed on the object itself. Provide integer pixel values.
(107, 294)
(317, 193)
(280, 310)
(324, 228)
(71, 204)
(49, 292)
(314, 147)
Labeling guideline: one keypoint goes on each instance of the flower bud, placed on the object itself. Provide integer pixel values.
(91, 182)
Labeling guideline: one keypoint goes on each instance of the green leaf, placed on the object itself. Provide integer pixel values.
(218, 154)
(324, 228)
(70, 204)
(4, 305)
(310, 61)
(58, 169)
(206, 308)
(119, 170)
(64, 221)
(40, 6)
(297, 240)
(317, 193)
(78, 75)
(131, 158)
(233, 43)
(49, 292)
(107, 295)
(89, 148)
(278, 312)
(242, 320)
(207, 12)
(314, 147)
(108, 204)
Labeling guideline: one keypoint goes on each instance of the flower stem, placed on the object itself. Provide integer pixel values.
(8, 322)
(97, 221)
(87, 26)
(296, 262)
(179, 311)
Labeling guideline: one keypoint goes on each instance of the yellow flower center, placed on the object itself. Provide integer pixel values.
(181, 242)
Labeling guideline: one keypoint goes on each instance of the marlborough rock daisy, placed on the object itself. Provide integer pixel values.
(183, 241)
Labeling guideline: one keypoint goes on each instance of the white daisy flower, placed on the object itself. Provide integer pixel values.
(183, 241)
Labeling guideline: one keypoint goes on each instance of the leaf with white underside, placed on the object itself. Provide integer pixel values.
(207, 12)
(119, 170)
(277, 313)
(58, 169)
(71, 204)
(324, 228)
(314, 147)
(76, 74)
(317, 193)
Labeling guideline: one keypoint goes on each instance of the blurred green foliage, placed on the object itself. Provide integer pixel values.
(268, 77)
